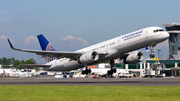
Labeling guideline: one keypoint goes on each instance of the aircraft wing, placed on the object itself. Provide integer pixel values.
(34, 65)
(58, 54)
(45, 67)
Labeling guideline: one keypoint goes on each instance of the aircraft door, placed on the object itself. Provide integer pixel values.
(146, 33)
(121, 40)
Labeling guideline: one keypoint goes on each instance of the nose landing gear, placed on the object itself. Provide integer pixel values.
(151, 55)
(152, 50)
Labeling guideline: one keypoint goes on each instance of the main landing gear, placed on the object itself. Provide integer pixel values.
(152, 50)
(112, 70)
(86, 71)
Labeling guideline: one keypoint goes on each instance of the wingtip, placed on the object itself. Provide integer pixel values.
(10, 43)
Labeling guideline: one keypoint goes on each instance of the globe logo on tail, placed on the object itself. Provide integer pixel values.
(50, 48)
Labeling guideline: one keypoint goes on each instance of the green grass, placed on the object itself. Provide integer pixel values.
(89, 93)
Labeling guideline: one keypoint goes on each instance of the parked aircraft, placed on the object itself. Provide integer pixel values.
(105, 51)
(7, 71)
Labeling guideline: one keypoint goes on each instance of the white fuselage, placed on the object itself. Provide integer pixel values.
(114, 48)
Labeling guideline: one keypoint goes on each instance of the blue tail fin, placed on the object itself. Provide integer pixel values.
(46, 46)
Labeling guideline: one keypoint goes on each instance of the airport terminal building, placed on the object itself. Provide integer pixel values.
(167, 67)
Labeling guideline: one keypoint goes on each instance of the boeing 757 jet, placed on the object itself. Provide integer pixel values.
(120, 47)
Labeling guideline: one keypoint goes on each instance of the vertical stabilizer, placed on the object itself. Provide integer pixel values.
(46, 46)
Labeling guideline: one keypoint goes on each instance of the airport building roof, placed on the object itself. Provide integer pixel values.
(171, 25)
(93, 66)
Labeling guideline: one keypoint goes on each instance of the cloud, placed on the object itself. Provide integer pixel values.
(4, 42)
(73, 38)
(30, 39)
(3, 37)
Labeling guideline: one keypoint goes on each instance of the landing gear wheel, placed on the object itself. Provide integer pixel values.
(83, 72)
(114, 70)
(152, 50)
(110, 72)
(89, 70)
(151, 55)
(86, 71)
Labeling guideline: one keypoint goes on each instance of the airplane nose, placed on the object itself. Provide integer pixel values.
(165, 35)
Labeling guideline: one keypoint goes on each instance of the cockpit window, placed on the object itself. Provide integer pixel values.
(158, 30)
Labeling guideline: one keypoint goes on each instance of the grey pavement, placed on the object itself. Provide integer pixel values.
(171, 81)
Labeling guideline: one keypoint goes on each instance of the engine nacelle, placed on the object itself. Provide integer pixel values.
(133, 58)
(88, 57)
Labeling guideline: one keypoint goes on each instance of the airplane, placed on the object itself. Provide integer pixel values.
(109, 50)
(7, 72)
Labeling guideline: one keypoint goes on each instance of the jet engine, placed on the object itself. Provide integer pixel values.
(133, 58)
(88, 57)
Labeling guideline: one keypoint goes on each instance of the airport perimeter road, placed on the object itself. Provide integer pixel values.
(91, 81)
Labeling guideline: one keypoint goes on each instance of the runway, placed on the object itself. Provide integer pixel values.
(91, 81)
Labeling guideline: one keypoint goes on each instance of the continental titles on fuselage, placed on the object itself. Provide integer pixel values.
(132, 35)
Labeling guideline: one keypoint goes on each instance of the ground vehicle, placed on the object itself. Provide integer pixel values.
(58, 76)
(125, 75)
(76, 74)
(149, 74)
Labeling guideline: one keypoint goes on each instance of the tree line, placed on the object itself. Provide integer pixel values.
(12, 62)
